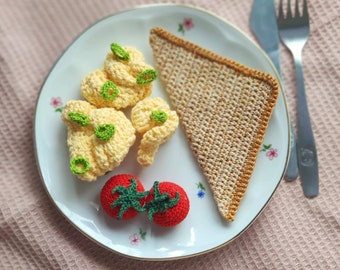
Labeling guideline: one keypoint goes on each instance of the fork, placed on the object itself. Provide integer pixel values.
(294, 32)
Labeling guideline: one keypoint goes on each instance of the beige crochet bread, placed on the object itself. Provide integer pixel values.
(224, 108)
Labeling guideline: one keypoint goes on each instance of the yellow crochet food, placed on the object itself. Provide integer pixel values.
(153, 119)
(98, 138)
(122, 82)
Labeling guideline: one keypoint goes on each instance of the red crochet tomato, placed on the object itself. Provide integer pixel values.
(167, 204)
(122, 196)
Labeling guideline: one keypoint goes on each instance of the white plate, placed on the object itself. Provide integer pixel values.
(203, 230)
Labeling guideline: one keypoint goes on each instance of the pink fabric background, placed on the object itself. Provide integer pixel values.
(292, 233)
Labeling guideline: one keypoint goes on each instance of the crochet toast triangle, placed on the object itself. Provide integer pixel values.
(224, 108)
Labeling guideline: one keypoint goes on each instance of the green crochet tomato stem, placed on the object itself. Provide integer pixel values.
(161, 201)
(129, 198)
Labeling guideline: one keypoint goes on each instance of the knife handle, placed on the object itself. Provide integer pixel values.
(292, 171)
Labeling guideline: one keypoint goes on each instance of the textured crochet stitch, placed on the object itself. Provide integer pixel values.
(224, 108)
(109, 90)
(159, 116)
(129, 197)
(103, 142)
(79, 118)
(119, 52)
(123, 80)
(167, 204)
(161, 201)
(122, 196)
(154, 120)
(105, 131)
(79, 165)
(147, 76)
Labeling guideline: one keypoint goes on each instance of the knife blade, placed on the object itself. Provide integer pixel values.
(263, 25)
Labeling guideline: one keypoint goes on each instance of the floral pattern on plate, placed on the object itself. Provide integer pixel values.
(57, 104)
(201, 190)
(186, 25)
(136, 238)
(270, 151)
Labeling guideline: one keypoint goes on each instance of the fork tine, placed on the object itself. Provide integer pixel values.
(280, 16)
(297, 13)
(305, 10)
(289, 11)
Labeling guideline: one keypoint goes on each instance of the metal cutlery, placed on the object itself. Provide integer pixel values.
(263, 24)
(294, 32)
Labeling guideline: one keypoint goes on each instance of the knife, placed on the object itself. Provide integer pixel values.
(264, 26)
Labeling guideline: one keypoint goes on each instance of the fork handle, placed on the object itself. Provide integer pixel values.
(307, 156)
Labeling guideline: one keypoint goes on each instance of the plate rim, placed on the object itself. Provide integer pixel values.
(146, 6)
